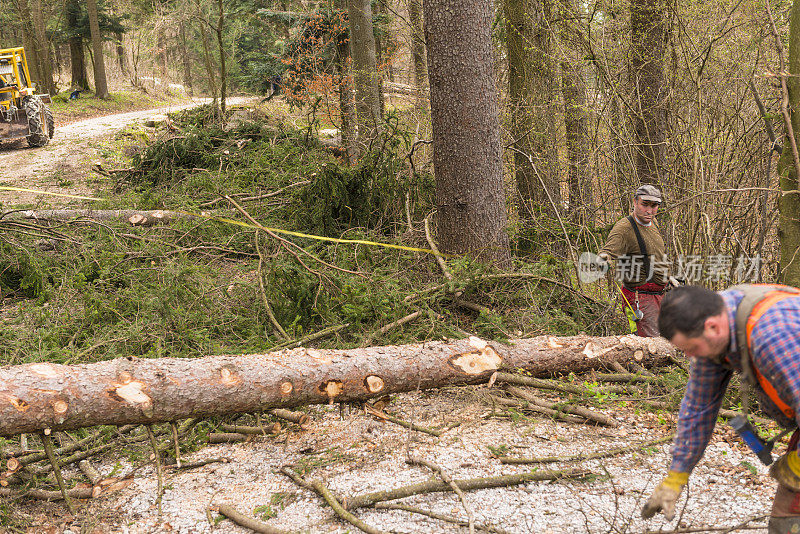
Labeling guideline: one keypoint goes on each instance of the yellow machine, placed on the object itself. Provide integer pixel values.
(23, 113)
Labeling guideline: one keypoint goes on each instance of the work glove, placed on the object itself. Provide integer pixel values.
(786, 470)
(665, 496)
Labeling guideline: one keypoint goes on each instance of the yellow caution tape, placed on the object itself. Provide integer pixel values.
(312, 236)
(248, 225)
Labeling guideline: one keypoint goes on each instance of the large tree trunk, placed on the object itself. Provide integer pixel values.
(467, 151)
(789, 204)
(576, 128)
(366, 78)
(120, 48)
(531, 90)
(418, 51)
(186, 60)
(347, 109)
(100, 82)
(223, 71)
(648, 41)
(77, 58)
(130, 390)
(46, 83)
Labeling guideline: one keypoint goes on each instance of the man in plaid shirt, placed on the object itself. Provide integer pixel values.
(702, 323)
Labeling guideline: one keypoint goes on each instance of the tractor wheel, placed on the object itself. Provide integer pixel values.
(49, 121)
(37, 122)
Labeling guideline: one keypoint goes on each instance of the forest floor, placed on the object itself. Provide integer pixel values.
(353, 453)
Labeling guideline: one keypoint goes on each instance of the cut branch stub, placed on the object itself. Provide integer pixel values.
(34, 397)
(374, 384)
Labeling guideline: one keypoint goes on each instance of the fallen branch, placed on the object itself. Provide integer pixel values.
(298, 418)
(252, 430)
(741, 526)
(380, 414)
(400, 322)
(554, 385)
(325, 332)
(627, 378)
(436, 486)
(48, 447)
(447, 479)
(46, 495)
(337, 507)
(159, 470)
(229, 437)
(245, 197)
(584, 456)
(198, 463)
(525, 405)
(248, 522)
(561, 407)
(440, 517)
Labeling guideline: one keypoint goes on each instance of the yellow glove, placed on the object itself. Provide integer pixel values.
(665, 496)
(786, 470)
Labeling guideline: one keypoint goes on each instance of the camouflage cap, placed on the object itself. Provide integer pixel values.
(648, 192)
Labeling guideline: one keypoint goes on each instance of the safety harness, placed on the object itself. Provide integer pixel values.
(757, 300)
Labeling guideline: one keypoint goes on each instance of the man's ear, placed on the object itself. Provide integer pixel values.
(716, 326)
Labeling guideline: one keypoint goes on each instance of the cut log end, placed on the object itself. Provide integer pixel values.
(286, 388)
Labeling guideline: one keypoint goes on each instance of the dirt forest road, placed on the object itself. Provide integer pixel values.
(64, 164)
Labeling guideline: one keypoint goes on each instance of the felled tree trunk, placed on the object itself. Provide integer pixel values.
(133, 217)
(130, 390)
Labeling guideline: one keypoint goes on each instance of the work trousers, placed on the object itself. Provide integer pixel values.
(649, 305)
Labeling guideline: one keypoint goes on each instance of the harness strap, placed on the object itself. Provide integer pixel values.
(757, 300)
(642, 247)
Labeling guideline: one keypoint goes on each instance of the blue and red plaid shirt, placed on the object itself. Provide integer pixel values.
(775, 352)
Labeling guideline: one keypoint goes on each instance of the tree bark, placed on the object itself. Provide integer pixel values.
(186, 60)
(131, 390)
(418, 51)
(347, 110)
(789, 201)
(365, 72)
(100, 82)
(46, 83)
(119, 46)
(467, 150)
(77, 57)
(223, 71)
(576, 128)
(648, 41)
(532, 96)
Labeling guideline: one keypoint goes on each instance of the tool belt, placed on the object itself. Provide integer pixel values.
(649, 288)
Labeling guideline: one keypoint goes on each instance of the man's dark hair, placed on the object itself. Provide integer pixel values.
(685, 310)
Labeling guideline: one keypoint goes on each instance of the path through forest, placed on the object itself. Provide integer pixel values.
(64, 165)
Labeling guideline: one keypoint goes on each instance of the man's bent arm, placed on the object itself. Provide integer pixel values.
(698, 414)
